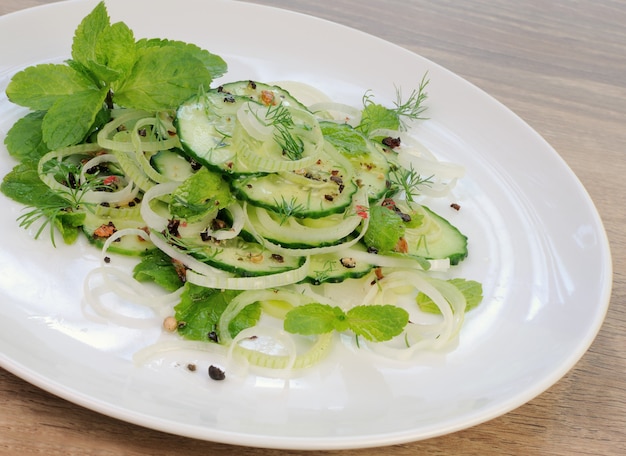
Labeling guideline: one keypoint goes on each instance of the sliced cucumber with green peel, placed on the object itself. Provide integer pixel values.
(205, 126)
(435, 237)
(172, 165)
(370, 164)
(335, 267)
(98, 230)
(301, 233)
(243, 258)
(325, 188)
(260, 92)
(236, 135)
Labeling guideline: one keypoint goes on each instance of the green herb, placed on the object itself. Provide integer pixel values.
(375, 116)
(344, 138)
(413, 107)
(201, 194)
(68, 223)
(376, 323)
(323, 274)
(200, 309)
(409, 181)
(385, 229)
(286, 209)
(280, 118)
(156, 266)
(109, 68)
(197, 248)
(24, 140)
(472, 291)
(52, 210)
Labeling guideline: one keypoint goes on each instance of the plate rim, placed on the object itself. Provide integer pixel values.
(346, 442)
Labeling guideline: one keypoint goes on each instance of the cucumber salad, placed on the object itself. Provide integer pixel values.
(265, 221)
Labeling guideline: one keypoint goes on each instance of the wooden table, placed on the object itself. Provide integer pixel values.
(560, 65)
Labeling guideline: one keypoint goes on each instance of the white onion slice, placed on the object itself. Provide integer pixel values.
(230, 282)
(338, 112)
(239, 219)
(249, 116)
(125, 194)
(152, 219)
(436, 336)
(190, 262)
(121, 283)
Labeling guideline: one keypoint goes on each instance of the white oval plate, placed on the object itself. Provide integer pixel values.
(537, 245)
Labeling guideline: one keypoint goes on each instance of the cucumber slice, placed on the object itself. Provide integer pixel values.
(243, 258)
(96, 227)
(205, 126)
(435, 238)
(172, 165)
(325, 188)
(262, 93)
(336, 267)
(211, 132)
(271, 139)
(300, 233)
(370, 164)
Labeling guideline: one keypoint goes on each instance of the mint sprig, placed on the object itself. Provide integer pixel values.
(375, 116)
(376, 323)
(108, 69)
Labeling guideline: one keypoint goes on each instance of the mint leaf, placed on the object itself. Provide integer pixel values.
(47, 208)
(106, 51)
(215, 64)
(71, 118)
(69, 224)
(199, 195)
(248, 317)
(88, 33)
(115, 53)
(22, 184)
(161, 79)
(39, 87)
(108, 69)
(375, 116)
(377, 323)
(471, 289)
(385, 229)
(157, 267)
(310, 319)
(344, 138)
(200, 309)
(24, 140)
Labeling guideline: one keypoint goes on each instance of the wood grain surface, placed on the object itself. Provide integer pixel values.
(561, 66)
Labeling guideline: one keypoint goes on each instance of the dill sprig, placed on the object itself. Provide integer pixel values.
(280, 118)
(49, 214)
(413, 107)
(409, 181)
(286, 209)
(376, 116)
(322, 275)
